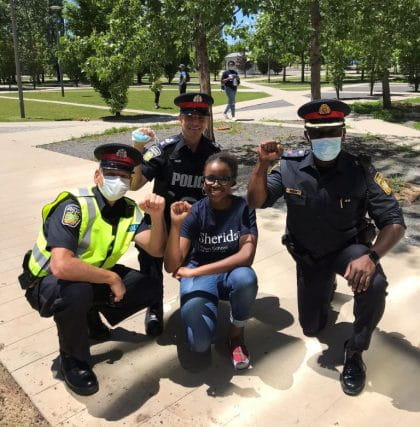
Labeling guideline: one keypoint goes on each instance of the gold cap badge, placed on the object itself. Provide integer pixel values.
(324, 109)
(197, 98)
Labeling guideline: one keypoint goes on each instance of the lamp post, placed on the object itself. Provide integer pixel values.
(270, 43)
(57, 10)
(17, 62)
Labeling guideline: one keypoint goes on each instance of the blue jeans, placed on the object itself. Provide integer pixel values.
(200, 296)
(231, 95)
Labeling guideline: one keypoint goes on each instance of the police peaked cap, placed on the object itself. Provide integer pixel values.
(194, 103)
(117, 156)
(324, 112)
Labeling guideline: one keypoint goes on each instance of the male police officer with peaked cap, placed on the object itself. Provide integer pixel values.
(176, 166)
(329, 193)
(72, 271)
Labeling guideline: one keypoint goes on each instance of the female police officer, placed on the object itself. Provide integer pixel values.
(176, 166)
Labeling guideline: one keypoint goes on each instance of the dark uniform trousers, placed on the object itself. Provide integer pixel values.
(315, 287)
(70, 302)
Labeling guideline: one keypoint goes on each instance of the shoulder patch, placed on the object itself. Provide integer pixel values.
(151, 152)
(274, 166)
(294, 154)
(383, 183)
(71, 216)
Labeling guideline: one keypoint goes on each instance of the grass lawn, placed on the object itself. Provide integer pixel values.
(407, 110)
(137, 99)
(278, 83)
(9, 112)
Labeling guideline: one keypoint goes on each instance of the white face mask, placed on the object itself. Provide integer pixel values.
(326, 149)
(114, 187)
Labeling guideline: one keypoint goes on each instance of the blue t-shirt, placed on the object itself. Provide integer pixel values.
(182, 77)
(214, 234)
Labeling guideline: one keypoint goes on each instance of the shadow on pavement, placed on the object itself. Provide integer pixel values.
(392, 362)
(269, 349)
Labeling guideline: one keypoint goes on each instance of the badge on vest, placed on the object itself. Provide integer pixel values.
(383, 183)
(293, 191)
(71, 216)
(132, 228)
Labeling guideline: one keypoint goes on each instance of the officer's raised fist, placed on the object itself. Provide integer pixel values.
(152, 204)
(269, 151)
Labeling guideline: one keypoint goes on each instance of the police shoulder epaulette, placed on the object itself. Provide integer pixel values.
(216, 144)
(294, 154)
(364, 158)
(168, 141)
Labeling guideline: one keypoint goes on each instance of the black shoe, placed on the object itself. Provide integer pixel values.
(97, 330)
(78, 375)
(153, 321)
(353, 377)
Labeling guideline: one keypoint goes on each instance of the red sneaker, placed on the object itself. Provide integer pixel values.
(239, 355)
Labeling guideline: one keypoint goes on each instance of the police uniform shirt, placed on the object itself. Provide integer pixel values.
(215, 234)
(63, 232)
(325, 210)
(177, 171)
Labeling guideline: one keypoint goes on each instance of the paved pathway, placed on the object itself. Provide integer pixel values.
(293, 380)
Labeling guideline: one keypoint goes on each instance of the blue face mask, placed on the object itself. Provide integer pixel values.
(326, 149)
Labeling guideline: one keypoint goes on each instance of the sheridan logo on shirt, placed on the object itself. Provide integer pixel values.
(218, 242)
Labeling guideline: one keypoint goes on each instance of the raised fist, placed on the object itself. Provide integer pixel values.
(153, 205)
(179, 211)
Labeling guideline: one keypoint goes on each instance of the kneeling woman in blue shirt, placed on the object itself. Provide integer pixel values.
(210, 249)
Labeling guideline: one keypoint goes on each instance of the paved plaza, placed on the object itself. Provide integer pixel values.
(293, 380)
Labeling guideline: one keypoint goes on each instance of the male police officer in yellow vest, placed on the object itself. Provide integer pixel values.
(72, 271)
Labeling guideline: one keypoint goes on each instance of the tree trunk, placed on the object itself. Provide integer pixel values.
(139, 76)
(337, 91)
(302, 69)
(315, 55)
(203, 68)
(284, 74)
(362, 77)
(372, 81)
(386, 92)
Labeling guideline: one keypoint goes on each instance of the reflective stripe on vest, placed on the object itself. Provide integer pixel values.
(97, 245)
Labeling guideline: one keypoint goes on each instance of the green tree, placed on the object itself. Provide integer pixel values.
(73, 51)
(7, 62)
(199, 21)
(217, 51)
(381, 28)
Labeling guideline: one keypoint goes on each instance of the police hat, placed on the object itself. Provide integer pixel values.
(194, 103)
(323, 113)
(117, 156)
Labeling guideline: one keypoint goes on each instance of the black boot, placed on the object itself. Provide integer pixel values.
(97, 330)
(78, 375)
(153, 321)
(353, 377)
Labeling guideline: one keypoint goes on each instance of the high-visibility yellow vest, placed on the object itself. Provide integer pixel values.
(98, 245)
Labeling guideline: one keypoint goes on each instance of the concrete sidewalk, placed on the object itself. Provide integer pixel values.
(293, 379)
